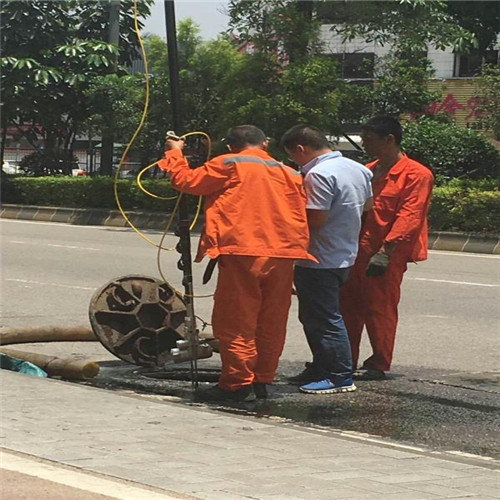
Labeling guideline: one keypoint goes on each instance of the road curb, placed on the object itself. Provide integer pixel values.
(84, 216)
(438, 240)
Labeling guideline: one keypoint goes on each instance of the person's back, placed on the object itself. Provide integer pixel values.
(260, 212)
(255, 226)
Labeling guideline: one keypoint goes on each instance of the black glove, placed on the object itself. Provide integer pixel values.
(378, 264)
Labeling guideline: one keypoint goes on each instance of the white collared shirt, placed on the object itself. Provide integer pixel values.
(341, 186)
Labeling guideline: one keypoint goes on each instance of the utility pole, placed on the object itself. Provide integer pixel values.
(107, 141)
(184, 245)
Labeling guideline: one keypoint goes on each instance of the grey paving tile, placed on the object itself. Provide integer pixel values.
(443, 491)
(220, 495)
(443, 472)
(484, 489)
(405, 478)
(468, 482)
(416, 495)
(346, 474)
(367, 484)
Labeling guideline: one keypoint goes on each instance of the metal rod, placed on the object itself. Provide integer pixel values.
(183, 228)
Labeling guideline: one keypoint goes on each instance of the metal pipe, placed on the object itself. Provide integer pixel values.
(19, 335)
(78, 369)
(184, 223)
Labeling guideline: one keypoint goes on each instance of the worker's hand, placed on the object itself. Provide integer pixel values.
(378, 264)
(173, 141)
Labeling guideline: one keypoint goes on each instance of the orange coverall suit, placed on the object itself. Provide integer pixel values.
(255, 221)
(399, 215)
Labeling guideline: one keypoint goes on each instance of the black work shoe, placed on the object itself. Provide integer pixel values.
(307, 376)
(260, 390)
(217, 394)
(369, 374)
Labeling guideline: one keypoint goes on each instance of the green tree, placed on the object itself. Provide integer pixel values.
(207, 70)
(488, 95)
(279, 28)
(480, 17)
(47, 68)
(401, 85)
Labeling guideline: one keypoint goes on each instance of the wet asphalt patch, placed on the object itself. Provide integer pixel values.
(440, 410)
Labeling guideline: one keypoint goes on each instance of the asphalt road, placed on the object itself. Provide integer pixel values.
(444, 392)
(449, 313)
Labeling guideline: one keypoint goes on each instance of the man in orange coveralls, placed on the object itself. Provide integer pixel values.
(393, 234)
(256, 225)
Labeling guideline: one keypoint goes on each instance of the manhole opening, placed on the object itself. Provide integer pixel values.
(204, 375)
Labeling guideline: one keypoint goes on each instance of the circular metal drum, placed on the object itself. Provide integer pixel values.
(138, 319)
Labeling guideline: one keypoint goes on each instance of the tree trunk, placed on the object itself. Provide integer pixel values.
(106, 154)
(2, 146)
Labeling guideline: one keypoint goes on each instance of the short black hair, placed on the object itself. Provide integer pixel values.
(245, 135)
(383, 125)
(305, 135)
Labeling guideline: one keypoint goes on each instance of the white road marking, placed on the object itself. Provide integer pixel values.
(82, 480)
(126, 229)
(71, 247)
(464, 254)
(455, 282)
(32, 282)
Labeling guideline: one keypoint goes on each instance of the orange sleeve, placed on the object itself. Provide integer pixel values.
(207, 179)
(413, 208)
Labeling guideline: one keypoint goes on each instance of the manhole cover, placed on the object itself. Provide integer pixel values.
(138, 319)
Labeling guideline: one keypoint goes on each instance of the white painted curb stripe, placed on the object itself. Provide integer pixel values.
(80, 480)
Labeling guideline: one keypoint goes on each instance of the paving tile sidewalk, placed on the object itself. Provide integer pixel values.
(205, 454)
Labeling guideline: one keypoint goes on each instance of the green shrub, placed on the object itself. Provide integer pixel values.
(451, 151)
(458, 207)
(89, 192)
(51, 162)
(462, 205)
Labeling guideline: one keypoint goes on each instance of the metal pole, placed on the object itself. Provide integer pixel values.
(107, 142)
(184, 246)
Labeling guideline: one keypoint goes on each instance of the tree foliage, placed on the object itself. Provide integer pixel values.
(450, 150)
(488, 94)
(51, 53)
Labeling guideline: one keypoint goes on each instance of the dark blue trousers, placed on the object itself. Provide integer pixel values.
(319, 312)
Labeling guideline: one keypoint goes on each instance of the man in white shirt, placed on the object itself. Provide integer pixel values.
(338, 190)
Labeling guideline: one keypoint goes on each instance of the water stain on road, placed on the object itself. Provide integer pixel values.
(420, 408)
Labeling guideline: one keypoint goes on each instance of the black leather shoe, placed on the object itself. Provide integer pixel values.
(306, 376)
(217, 394)
(260, 390)
(369, 374)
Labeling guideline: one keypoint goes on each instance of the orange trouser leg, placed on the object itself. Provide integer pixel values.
(353, 303)
(384, 293)
(244, 292)
(276, 286)
(373, 302)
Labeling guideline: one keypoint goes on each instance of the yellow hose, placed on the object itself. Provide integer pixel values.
(139, 177)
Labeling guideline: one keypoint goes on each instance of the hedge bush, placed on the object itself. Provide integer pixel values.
(462, 205)
(466, 206)
(450, 150)
(88, 192)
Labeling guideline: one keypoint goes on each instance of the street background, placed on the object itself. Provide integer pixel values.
(430, 431)
(449, 314)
